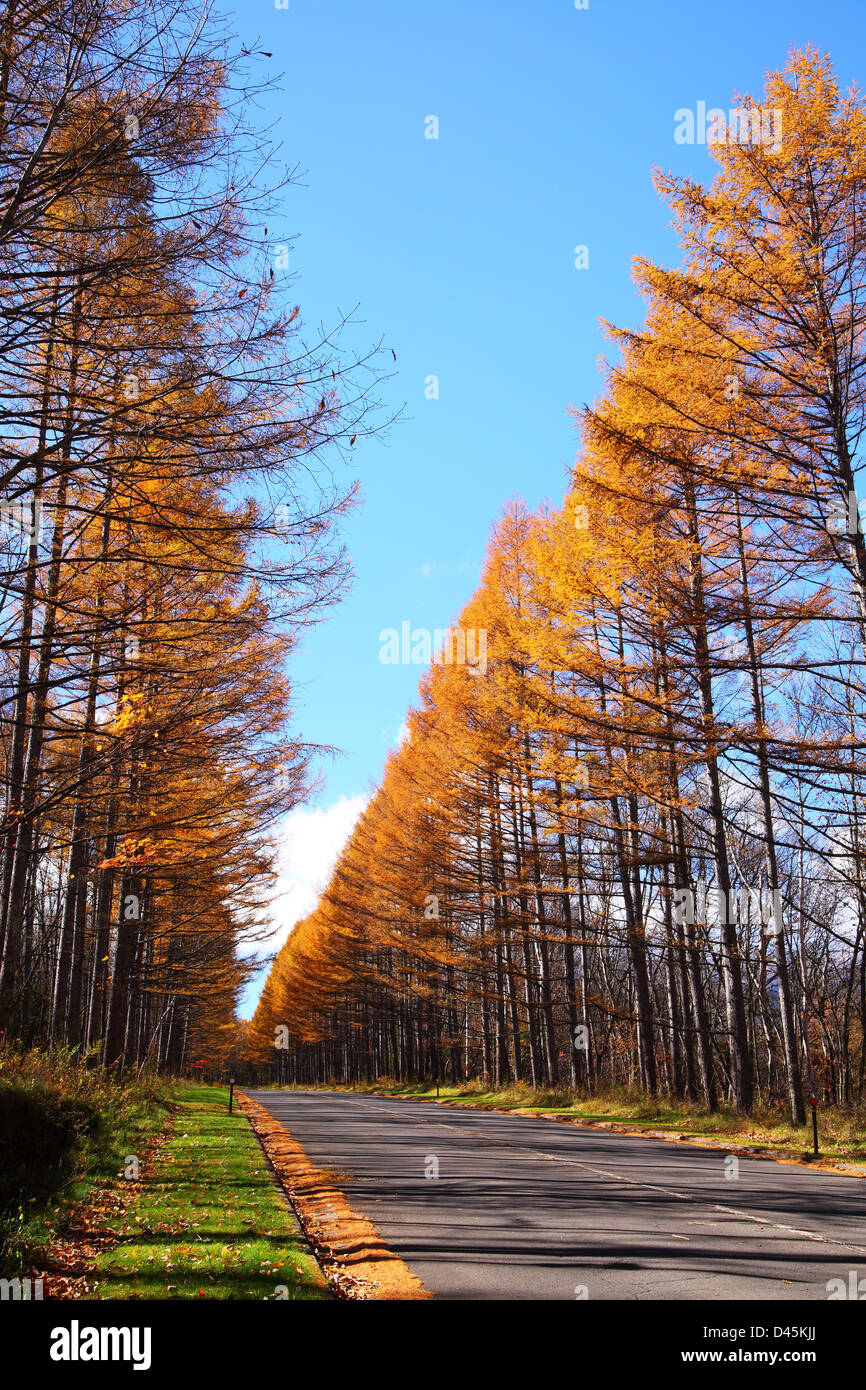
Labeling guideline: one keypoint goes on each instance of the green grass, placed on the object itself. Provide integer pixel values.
(210, 1222)
(65, 1129)
(841, 1133)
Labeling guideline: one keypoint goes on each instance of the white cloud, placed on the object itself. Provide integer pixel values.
(311, 840)
(392, 740)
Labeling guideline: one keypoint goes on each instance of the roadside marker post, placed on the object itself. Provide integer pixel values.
(231, 1092)
(813, 1101)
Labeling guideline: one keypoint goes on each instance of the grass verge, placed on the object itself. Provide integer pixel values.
(209, 1221)
(65, 1128)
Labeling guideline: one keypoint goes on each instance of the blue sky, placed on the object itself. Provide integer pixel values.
(460, 253)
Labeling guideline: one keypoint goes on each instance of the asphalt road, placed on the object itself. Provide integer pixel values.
(524, 1208)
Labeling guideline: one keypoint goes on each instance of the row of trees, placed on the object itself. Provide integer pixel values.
(630, 850)
(168, 523)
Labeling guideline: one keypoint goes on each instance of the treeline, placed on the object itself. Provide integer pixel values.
(629, 851)
(168, 523)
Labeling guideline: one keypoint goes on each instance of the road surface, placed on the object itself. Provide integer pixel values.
(523, 1208)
